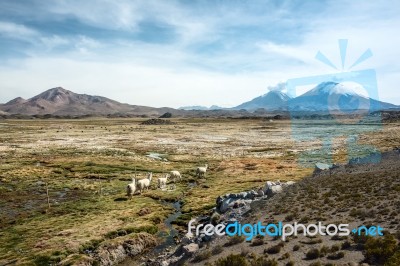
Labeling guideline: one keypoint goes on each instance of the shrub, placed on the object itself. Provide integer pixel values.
(258, 241)
(336, 256)
(215, 218)
(244, 252)
(264, 262)
(360, 240)
(313, 254)
(346, 244)
(232, 260)
(394, 260)
(335, 248)
(275, 249)
(285, 256)
(42, 260)
(217, 249)
(296, 247)
(378, 250)
(317, 263)
(234, 240)
(323, 251)
(202, 255)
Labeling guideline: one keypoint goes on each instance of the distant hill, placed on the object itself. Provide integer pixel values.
(327, 96)
(59, 101)
(273, 100)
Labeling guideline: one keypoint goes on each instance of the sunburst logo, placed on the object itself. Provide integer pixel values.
(343, 52)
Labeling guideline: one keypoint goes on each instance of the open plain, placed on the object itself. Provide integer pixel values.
(63, 182)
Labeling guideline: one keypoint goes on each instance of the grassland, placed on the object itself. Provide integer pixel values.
(86, 165)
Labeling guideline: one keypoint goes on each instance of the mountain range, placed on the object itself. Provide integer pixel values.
(59, 101)
(326, 96)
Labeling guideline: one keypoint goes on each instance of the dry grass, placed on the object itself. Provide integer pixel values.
(80, 158)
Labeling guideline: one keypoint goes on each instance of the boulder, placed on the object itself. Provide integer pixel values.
(190, 249)
(252, 195)
(226, 204)
(272, 189)
(289, 183)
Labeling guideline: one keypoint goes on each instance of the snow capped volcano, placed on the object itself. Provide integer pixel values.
(331, 88)
(330, 96)
(326, 96)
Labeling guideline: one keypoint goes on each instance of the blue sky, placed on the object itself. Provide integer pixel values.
(175, 53)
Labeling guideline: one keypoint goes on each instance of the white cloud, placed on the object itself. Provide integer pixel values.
(16, 31)
(176, 73)
(130, 83)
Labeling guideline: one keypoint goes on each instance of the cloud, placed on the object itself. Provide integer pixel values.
(16, 31)
(201, 52)
(281, 86)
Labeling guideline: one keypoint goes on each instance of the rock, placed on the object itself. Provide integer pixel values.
(186, 240)
(260, 192)
(190, 249)
(231, 221)
(272, 189)
(166, 115)
(252, 194)
(289, 183)
(225, 205)
(242, 195)
(219, 202)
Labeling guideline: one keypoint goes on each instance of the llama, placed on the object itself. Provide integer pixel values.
(175, 175)
(162, 181)
(201, 171)
(144, 183)
(131, 188)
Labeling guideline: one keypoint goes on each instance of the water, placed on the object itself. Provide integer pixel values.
(172, 232)
(157, 156)
(168, 236)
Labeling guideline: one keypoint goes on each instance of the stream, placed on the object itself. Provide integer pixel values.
(167, 236)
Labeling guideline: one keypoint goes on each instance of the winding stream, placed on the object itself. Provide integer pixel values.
(168, 236)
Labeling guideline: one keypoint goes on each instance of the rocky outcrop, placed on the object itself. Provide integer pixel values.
(229, 208)
(114, 252)
(235, 200)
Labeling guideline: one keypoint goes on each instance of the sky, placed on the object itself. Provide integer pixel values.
(182, 53)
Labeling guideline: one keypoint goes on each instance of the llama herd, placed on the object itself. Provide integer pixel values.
(144, 184)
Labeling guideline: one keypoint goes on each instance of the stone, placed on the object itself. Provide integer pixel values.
(225, 205)
(190, 249)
